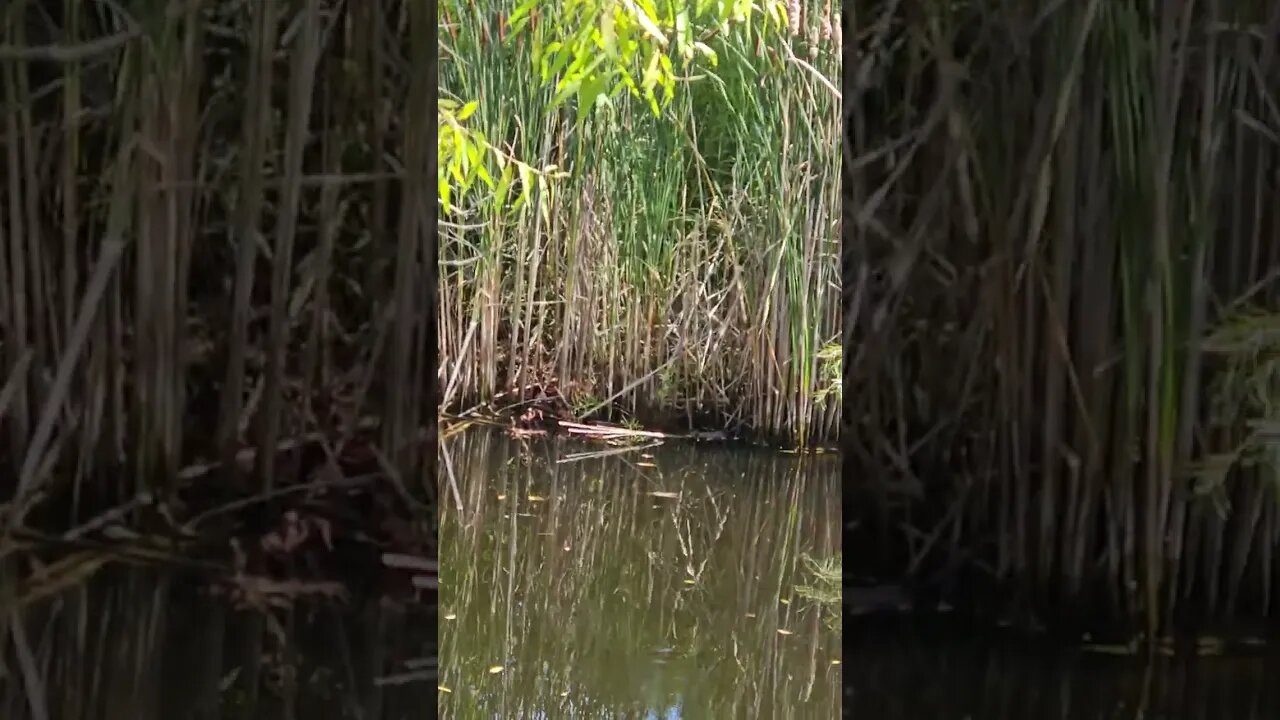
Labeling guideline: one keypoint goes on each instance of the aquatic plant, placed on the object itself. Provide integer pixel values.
(1042, 226)
(215, 266)
(204, 248)
(668, 267)
(826, 575)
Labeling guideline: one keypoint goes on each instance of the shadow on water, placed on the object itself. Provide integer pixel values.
(147, 645)
(677, 581)
(911, 672)
(144, 643)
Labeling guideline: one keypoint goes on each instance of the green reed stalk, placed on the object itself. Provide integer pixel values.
(685, 265)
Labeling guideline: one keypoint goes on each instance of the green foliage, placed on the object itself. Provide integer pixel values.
(593, 51)
(824, 588)
(686, 255)
(463, 153)
(1244, 396)
(830, 370)
(596, 49)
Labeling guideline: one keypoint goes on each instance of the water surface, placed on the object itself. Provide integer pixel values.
(676, 581)
(153, 644)
(914, 671)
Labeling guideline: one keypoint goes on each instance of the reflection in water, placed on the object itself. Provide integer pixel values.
(942, 674)
(656, 583)
(150, 644)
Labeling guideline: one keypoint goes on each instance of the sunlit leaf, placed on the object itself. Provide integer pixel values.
(500, 197)
(445, 191)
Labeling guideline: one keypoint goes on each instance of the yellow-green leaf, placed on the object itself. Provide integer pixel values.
(504, 185)
(445, 191)
(707, 52)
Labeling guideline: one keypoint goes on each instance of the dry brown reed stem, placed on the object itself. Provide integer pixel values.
(1042, 228)
(683, 271)
(147, 322)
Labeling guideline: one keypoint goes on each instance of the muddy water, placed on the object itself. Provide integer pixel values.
(674, 581)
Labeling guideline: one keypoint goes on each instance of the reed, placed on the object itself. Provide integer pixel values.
(212, 248)
(210, 237)
(683, 266)
(1048, 213)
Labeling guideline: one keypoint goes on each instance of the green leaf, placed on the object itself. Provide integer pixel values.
(650, 78)
(588, 92)
(544, 200)
(455, 169)
(562, 58)
(504, 185)
(483, 173)
(683, 36)
(520, 16)
(708, 53)
(445, 190)
(468, 110)
(550, 54)
(608, 34)
(475, 166)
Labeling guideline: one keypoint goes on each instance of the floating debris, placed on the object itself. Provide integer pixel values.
(1106, 649)
(410, 562)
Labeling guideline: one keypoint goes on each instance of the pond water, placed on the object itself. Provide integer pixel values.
(151, 644)
(925, 669)
(660, 581)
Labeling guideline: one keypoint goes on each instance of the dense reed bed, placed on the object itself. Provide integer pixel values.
(1061, 221)
(213, 239)
(215, 292)
(680, 265)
